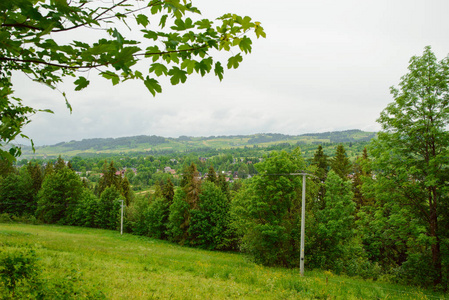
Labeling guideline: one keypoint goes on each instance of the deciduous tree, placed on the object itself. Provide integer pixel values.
(412, 154)
(59, 196)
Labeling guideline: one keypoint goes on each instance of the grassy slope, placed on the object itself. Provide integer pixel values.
(131, 267)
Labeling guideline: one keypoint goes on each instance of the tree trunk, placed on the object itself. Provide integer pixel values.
(436, 251)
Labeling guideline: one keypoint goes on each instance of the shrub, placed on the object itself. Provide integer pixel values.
(17, 266)
(5, 218)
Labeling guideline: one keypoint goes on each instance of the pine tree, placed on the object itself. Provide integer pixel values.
(48, 169)
(321, 162)
(60, 164)
(191, 184)
(126, 191)
(168, 191)
(6, 167)
(211, 175)
(340, 163)
(361, 171)
(36, 176)
(109, 178)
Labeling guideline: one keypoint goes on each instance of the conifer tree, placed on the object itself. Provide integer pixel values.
(211, 175)
(126, 191)
(60, 164)
(321, 162)
(361, 171)
(6, 167)
(36, 176)
(340, 163)
(224, 186)
(191, 184)
(168, 191)
(48, 169)
(109, 178)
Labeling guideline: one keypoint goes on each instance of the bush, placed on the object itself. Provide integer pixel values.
(18, 266)
(5, 218)
(416, 271)
(21, 277)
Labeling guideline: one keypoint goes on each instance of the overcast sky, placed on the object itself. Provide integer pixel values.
(325, 65)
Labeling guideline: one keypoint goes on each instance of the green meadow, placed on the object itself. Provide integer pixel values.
(90, 263)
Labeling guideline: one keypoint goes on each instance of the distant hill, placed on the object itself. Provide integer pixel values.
(185, 143)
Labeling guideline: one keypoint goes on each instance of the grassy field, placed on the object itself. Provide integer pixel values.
(132, 267)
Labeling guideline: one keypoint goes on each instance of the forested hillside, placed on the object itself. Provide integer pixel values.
(153, 144)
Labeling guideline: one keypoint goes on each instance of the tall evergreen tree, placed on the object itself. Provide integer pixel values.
(191, 184)
(340, 163)
(48, 169)
(109, 178)
(36, 175)
(211, 175)
(168, 191)
(321, 162)
(59, 164)
(125, 191)
(361, 170)
(6, 167)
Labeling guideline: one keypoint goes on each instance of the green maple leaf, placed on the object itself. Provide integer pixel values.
(158, 69)
(234, 61)
(245, 44)
(177, 75)
(219, 70)
(152, 85)
(204, 66)
(81, 83)
(111, 76)
(142, 19)
(189, 65)
(204, 24)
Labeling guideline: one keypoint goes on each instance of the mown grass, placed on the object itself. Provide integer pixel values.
(132, 267)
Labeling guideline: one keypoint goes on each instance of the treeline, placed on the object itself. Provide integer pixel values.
(347, 136)
(55, 194)
(113, 143)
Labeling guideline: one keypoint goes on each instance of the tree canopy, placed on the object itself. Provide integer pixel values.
(172, 39)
